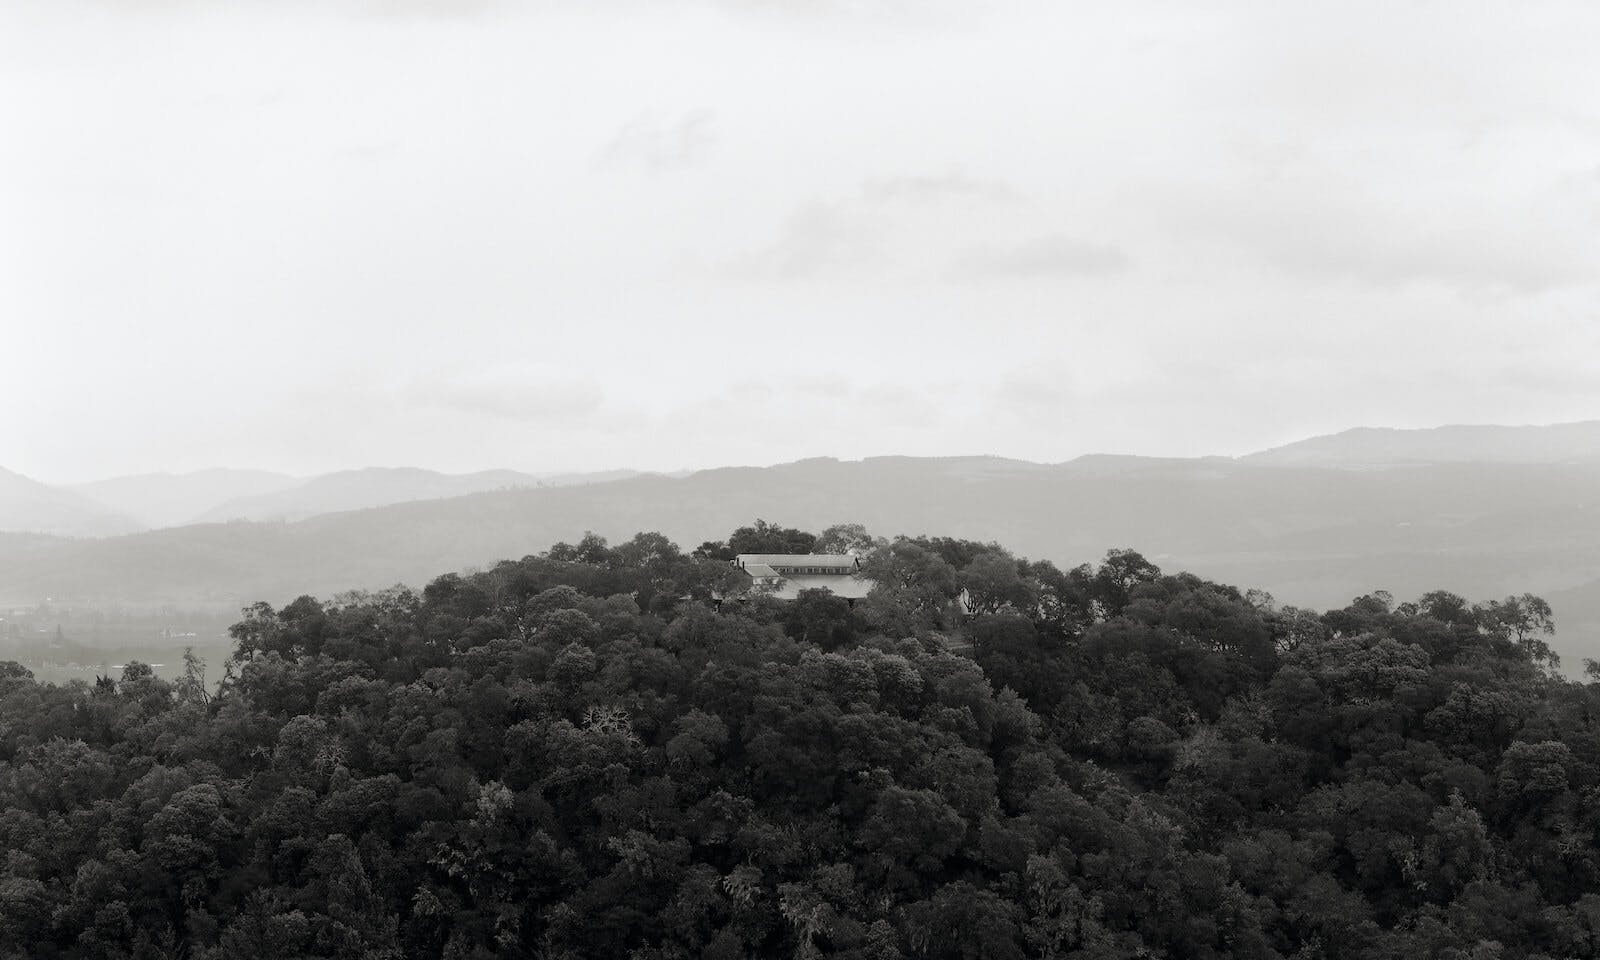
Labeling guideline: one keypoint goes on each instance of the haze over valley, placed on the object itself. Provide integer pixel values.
(1486, 511)
(157, 500)
(850, 479)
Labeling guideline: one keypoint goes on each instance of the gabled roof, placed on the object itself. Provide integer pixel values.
(846, 560)
(783, 576)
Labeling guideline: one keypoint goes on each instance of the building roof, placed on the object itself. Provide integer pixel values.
(784, 575)
(842, 560)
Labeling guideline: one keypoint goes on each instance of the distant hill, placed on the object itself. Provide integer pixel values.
(1313, 536)
(1369, 447)
(377, 487)
(28, 506)
(167, 499)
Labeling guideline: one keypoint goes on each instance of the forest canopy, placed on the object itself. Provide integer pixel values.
(584, 754)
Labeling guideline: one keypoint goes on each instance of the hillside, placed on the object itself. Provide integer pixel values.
(1314, 537)
(28, 506)
(168, 499)
(380, 486)
(578, 758)
(1369, 447)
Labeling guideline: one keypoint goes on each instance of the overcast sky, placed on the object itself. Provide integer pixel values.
(307, 235)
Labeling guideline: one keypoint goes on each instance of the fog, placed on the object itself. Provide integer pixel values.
(559, 236)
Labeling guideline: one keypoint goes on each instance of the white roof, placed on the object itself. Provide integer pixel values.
(797, 559)
(837, 573)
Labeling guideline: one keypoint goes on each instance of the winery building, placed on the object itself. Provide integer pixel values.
(783, 575)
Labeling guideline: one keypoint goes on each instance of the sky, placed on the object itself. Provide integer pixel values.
(559, 235)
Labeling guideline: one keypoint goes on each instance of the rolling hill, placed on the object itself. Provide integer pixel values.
(1369, 447)
(1482, 511)
(28, 506)
(381, 486)
(168, 499)
(1313, 536)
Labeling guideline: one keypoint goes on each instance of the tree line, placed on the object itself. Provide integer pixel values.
(584, 754)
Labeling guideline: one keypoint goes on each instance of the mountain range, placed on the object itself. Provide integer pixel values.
(1317, 523)
(1376, 447)
(167, 499)
(152, 501)
(28, 505)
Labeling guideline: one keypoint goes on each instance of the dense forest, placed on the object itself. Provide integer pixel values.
(583, 754)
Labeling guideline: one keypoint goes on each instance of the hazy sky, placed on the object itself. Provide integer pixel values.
(315, 234)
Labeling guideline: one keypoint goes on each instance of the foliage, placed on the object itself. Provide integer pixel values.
(581, 755)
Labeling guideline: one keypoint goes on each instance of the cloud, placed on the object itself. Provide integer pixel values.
(378, 9)
(816, 236)
(372, 152)
(426, 8)
(877, 223)
(518, 392)
(929, 189)
(1379, 249)
(899, 12)
(648, 142)
(1034, 394)
(1049, 256)
(1312, 225)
